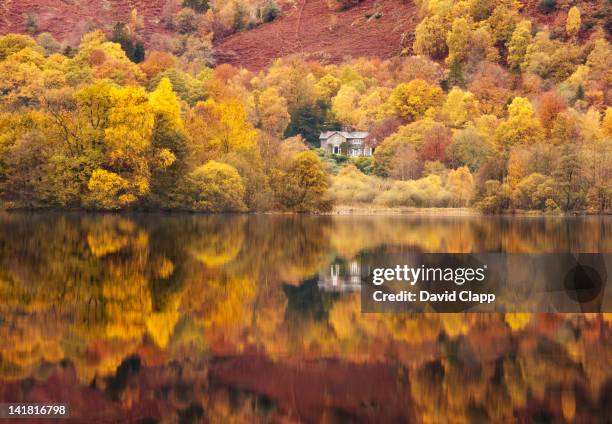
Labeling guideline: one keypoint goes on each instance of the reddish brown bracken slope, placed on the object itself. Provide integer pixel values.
(68, 20)
(310, 29)
(307, 28)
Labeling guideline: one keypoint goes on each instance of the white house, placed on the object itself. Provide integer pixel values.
(350, 143)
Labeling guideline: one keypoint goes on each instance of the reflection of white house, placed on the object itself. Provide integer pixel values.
(350, 143)
(341, 277)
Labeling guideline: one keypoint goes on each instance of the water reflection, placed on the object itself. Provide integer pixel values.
(236, 319)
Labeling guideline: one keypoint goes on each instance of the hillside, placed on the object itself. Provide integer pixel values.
(310, 28)
(68, 20)
(307, 27)
(374, 28)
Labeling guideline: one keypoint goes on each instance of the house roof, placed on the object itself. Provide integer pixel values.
(346, 134)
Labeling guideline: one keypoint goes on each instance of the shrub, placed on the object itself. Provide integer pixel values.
(215, 187)
(495, 198)
(372, 15)
(269, 11)
(133, 49)
(534, 192)
(425, 192)
(352, 186)
(339, 5)
(187, 21)
(31, 24)
(49, 43)
(547, 6)
(241, 17)
(364, 164)
(587, 25)
(199, 6)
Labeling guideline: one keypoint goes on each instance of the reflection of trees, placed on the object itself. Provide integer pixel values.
(220, 303)
(96, 289)
(88, 275)
(218, 243)
(353, 234)
(283, 248)
(116, 279)
(537, 369)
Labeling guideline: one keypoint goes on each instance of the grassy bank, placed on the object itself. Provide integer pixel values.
(373, 209)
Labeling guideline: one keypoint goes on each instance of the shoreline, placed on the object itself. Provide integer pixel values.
(368, 209)
(339, 210)
(378, 210)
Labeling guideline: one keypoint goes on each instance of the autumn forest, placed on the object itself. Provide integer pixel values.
(484, 109)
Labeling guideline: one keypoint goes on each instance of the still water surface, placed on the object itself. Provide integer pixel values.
(183, 318)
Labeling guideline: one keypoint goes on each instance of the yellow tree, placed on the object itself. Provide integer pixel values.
(218, 128)
(573, 22)
(550, 58)
(460, 107)
(164, 102)
(430, 37)
(503, 21)
(328, 86)
(518, 164)
(128, 140)
(517, 45)
(371, 106)
(13, 43)
(599, 62)
(131, 120)
(168, 137)
(169, 142)
(107, 59)
(460, 183)
(216, 187)
(458, 41)
(522, 126)
(607, 123)
(22, 78)
(271, 111)
(346, 105)
(303, 185)
(411, 100)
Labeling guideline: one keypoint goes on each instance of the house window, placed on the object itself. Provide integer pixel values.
(336, 150)
(357, 141)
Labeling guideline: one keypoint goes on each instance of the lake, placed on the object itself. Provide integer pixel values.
(246, 318)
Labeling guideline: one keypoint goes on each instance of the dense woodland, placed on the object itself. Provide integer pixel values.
(485, 109)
